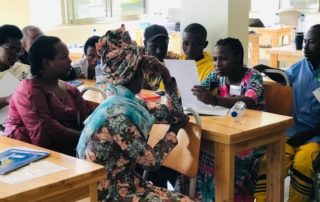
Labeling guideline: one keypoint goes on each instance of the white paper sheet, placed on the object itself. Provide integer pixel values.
(31, 171)
(186, 75)
(8, 84)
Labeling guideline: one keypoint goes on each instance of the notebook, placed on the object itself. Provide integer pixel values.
(186, 75)
(75, 83)
(12, 159)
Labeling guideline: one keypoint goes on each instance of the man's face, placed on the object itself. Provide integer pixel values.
(92, 56)
(193, 45)
(312, 45)
(10, 52)
(157, 47)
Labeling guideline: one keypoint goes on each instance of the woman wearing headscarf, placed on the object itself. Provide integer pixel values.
(116, 133)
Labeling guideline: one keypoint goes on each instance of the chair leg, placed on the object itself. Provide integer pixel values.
(192, 187)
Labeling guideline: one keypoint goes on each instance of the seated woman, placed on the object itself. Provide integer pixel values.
(44, 110)
(85, 68)
(116, 133)
(229, 83)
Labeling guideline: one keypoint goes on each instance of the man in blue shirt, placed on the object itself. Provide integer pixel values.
(302, 146)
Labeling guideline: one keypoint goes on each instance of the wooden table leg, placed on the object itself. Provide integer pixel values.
(275, 38)
(224, 172)
(273, 61)
(275, 154)
(255, 52)
(93, 192)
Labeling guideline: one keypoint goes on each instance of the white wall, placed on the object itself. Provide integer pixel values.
(15, 12)
(221, 19)
(265, 10)
(45, 13)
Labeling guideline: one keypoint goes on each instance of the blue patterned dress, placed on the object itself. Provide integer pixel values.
(115, 136)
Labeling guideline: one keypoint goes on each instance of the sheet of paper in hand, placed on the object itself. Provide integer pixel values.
(186, 75)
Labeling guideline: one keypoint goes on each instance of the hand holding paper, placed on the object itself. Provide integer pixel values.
(186, 75)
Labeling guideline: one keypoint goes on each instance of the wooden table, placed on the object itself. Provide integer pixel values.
(275, 33)
(77, 181)
(75, 54)
(254, 52)
(287, 54)
(227, 137)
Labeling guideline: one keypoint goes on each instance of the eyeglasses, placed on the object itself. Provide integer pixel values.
(12, 48)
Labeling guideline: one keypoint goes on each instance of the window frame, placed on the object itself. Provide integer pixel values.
(281, 3)
(68, 16)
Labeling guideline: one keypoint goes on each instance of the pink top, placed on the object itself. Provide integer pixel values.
(38, 116)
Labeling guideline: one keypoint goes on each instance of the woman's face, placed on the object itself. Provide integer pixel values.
(10, 52)
(60, 66)
(92, 56)
(224, 60)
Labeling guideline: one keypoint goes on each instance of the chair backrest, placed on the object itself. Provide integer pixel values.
(278, 99)
(93, 98)
(184, 157)
(289, 17)
(255, 22)
(279, 75)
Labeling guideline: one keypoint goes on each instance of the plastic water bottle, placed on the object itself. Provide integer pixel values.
(301, 23)
(100, 78)
(237, 110)
(276, 19)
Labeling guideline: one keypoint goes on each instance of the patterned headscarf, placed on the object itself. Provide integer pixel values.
(119, 55)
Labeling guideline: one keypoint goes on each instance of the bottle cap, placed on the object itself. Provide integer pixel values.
(234, 114)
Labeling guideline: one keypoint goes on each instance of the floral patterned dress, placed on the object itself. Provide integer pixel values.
(246, 161)
(121, 143)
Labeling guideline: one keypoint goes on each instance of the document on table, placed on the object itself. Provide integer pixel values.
(31, 171)
(8, 84)
(186, 75)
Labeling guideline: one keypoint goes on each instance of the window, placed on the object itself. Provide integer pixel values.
(300, 4)
(94, 11)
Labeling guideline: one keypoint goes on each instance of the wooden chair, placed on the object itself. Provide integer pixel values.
(278, 96)
(184, 158)
(278, 99)
(92, 104)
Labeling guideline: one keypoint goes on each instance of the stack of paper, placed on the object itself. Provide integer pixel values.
(186, 75)
(8, 84)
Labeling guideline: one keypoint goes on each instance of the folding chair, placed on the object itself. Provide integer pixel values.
(92, 104)
(184, 157)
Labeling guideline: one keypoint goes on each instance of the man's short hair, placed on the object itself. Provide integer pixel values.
(316, 27)
(91, 42)
(36, 32)
(154, 31)
(196, 28)
(9, 31)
